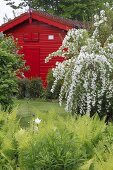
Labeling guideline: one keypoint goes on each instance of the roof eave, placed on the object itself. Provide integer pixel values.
(51, 22)
(25, 16)
(12, 23)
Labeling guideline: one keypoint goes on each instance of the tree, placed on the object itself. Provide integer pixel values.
(87, 69)
(73, 9)
(11, 65)
(6, 19)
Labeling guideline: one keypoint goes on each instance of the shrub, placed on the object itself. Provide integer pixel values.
(50, 80)
(11, 65)
(30, 88)
(36, 88)
(23, 88)
(87, 69)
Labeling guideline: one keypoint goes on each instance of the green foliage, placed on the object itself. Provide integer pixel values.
(8, 144)
(56, 143)
(106, 29)
(73, 9)
(10, 64)
(23, 88)
(33, 88)
(36, 88)
(30, 88)
(70, 144)
(48, 93)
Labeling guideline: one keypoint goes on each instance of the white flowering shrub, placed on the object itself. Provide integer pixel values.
(87, 69)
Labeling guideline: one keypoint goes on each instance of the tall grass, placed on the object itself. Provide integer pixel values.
(57, 143)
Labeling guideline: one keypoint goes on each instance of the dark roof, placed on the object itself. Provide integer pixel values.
(69, 22)
(61, 22)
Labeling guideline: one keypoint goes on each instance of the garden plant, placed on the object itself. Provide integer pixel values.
(11, 65)
(30, 88)
(87, 69)
(55, 142)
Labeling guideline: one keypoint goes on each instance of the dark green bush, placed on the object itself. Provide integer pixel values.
(33, 88)
(23, 88)
(11, 65)
(30, 88)
(48, 93)
(36, 89)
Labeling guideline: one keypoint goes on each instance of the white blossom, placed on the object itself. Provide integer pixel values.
(37, 121)
(86, 69)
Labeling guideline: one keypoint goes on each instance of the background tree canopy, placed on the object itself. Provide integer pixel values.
(73, 9)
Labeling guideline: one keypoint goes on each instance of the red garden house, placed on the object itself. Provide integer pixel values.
(39, 34)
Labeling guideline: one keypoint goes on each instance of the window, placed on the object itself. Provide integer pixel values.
(50, 37)
(30, 37)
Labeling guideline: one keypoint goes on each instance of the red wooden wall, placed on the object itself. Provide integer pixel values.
(34, 38)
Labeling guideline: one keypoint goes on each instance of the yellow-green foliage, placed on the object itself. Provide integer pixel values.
(56, 143)
(8, 144)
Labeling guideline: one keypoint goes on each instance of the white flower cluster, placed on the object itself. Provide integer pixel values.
(99, 19)
(70, 45)
(107, 4)
(86, 70)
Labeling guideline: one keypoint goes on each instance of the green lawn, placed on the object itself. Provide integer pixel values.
(28, 110)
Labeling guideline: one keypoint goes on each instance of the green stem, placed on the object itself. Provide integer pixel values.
(3, 155)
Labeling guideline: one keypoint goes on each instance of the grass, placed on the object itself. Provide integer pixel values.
(30, 109)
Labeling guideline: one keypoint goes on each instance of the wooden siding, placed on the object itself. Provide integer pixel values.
(36, 35)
